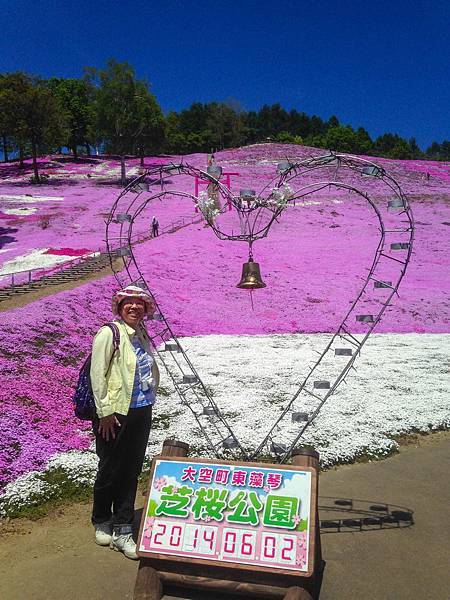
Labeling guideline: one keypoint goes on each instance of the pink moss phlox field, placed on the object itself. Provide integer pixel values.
(42, 347)
(67, 251)
(313, 262)
(37, 388)
(83, 193)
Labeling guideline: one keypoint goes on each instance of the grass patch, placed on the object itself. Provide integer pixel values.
(162, 421)
(415, 436)
(48, 338)
(62, 491)
(278, 399)
(231, 414)
(162, 391)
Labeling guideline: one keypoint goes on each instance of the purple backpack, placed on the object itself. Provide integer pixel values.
(83, 398)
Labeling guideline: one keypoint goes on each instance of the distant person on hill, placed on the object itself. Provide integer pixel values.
(124, 384)
(155, 227)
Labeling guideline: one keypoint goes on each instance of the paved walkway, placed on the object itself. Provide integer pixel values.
(55, 557)
(394, 564)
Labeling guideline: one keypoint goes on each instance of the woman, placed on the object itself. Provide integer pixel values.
(124, 383)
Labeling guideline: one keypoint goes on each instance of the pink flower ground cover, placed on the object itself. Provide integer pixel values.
(312, 262)
(67, 251)
(70, 208)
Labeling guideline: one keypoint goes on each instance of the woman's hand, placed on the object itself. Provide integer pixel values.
(106, 427)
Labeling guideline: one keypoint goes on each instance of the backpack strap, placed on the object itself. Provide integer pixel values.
(116, 335)
(116, 340)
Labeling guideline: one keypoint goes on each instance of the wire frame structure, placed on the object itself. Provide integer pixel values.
(248, 218)
(121, 239)
(338, 172)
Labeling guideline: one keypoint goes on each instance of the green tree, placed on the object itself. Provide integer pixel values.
(333, 122)
(341, 139)
(205, 127)
(251, 125)
(434, 151)
(127, 115)
(6, 116)
(445, 150)
(235, 123)
(272, 120)
(13, 88)
(392, 146)
(44, 120)
(401, 150)
(175, 139)
(284, 137)
(299, 123)
(364, 144)
(193, 119)
(149, 114)
(75, 96)
(226, 124)
(316, 126)
(416, 152)
(38, 117)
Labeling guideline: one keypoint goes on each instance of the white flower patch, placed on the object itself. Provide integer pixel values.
(31, 489)
(28, 199)
(19, 211)
(36, 259)
(401, 385)
(27, 490)
(253, 377)
(307, 202)
(79, 466)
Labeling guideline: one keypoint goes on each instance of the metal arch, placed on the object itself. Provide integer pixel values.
(220, 438)
(219, 429)
(282, 449)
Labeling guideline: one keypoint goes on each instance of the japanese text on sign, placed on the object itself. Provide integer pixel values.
(229, 513)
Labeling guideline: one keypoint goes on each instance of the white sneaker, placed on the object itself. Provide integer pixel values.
(124, 543)
(103, 533)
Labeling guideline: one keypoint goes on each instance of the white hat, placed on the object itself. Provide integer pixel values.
(132, 291)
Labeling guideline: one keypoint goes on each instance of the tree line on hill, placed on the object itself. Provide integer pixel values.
(110, 108)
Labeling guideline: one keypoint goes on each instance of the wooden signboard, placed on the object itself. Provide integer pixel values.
(248, 528)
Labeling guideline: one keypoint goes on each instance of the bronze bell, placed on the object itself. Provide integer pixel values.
(251, 276)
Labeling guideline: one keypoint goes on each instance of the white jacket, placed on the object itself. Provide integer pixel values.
(113, 386)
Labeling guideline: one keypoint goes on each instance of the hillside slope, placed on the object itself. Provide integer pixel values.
(312, 261)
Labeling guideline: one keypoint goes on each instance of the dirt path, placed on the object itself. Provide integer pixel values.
(55, 557)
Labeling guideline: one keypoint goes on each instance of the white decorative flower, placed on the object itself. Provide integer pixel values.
(281, 196)
(207, 206)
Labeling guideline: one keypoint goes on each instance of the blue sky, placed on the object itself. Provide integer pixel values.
(383, 65)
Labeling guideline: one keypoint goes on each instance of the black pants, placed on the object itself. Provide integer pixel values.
(120, 464)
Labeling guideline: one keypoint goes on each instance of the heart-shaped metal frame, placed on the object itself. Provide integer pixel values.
(302, 178)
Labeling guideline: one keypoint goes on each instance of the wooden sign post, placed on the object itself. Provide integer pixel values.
(247, 529)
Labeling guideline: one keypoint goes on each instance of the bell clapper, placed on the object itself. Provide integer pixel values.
(251, 299)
